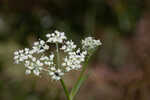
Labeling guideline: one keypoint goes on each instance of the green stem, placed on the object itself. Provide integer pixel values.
(57, 51)
(65, 89)
(61, 80)
(80, 80)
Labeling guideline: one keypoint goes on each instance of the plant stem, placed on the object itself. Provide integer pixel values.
(61, 80)
(80, 80)
(65, 89)
(58, 56)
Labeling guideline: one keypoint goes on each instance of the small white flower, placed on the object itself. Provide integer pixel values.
(48, 60)
(56, 37)
(68, 69)
(36, 72)
(33, 59)
(48, 35)
(39, 47)
(26, 50)
(21, 51)
(53, 68)
(16, 53)
(28, 72)
(44, 58)
(56, 74)
(36, 43)
(51, 73)
(42, 42)
(90, 43)
(51, 56)
(39, 63)
(69, 46)
(21, 55)
(74, 60)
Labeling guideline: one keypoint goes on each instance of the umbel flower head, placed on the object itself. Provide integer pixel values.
(37, 61)
(90, 43)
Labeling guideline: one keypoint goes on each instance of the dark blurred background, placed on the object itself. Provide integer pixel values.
(119, 70)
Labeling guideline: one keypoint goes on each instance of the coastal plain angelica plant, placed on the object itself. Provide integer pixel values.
(39, 59)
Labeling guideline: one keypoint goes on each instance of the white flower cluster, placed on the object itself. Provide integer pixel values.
(39, 47)
(36, 61)
(56, 37)
(21, 55)
(69, 46)
(56, 73)
(90, 43)
(74, 60)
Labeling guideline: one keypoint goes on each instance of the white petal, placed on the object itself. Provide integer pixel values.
(51, 73)
(16, 57)
(28, 72)
(36, 43)
(36, 72)
(42, 42)
(68, 69)
(48, 35)
(53, 68)
(16, 53)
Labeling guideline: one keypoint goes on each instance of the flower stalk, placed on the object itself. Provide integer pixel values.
(61, 80)
(65, 89)
(82, 77)
(58, 56)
